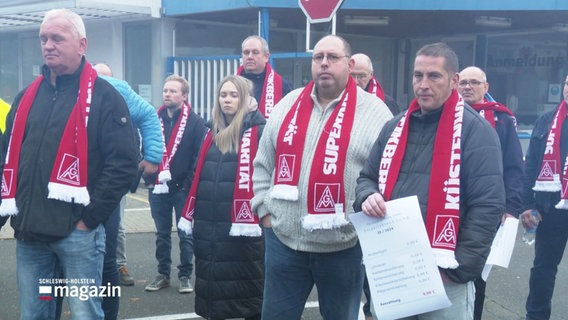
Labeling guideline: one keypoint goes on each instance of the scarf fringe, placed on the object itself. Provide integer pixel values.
(68, 193)
(285, 192)
(324, 221)
(445, 258)
(245, 230)
(185, 226)
(562, 205)
(8, 207)
(548, 186)
(164, 176)
(161, 188)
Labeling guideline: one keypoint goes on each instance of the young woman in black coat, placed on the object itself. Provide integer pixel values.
(228, 243)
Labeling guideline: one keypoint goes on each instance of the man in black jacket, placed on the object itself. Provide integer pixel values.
(268, 86)
(473, 87)
(69, 156)
(462, 196)
(183, 131)
(545, 193)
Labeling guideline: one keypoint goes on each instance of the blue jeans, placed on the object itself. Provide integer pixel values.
(290, 276)
(78, 256)
(161, 206)
(110, 267)
(551, 236)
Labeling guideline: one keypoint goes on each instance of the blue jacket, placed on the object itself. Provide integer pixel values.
(144, 118)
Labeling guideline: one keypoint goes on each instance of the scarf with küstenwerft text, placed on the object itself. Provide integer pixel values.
(548, 179)
(442, 212)
(271, 91)
(243, 221)
(326, 188)
(164, 174)
(68, 180)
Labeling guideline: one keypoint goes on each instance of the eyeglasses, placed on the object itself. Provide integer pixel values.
(472, 83)
(331, 58)
(361, 76)
(565, 83)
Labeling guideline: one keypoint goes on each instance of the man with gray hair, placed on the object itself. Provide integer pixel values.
(63, 177)
(269, 87)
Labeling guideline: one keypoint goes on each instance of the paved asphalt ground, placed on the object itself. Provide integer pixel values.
(506, 289)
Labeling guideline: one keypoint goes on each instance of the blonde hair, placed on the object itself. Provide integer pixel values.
(181, 80)
(228, 135)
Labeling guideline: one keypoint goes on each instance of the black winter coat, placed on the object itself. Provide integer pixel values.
(544, 202)
(229, 271)
(112, 161)
(482, 193)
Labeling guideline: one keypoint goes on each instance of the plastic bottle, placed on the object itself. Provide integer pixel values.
(529, 235)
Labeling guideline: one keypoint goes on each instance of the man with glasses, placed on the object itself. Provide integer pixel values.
(269, 87)
(363, 74)
(310, 154)
(473, 87)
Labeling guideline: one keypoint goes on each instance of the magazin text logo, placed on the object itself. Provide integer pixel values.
(83, 289)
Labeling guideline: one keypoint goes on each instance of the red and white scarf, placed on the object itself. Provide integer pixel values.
(487, 110)
(68, 180)
(243, 221)
(548, 179)
(271, 92)
(375, 88)
(326, 188)
(164, 174)
(442, 216)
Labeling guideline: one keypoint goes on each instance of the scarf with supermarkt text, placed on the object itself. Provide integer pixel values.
(326, 188)
(548, 179)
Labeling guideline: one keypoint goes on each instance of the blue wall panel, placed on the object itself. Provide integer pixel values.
(180, 7)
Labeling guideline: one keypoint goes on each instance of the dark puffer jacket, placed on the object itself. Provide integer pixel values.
(481, 189)
(229, 271)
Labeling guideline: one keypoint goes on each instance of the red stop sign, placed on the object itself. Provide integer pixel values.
(319, 10)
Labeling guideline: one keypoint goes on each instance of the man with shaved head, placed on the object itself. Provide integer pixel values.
(313, 146)
(473, 87)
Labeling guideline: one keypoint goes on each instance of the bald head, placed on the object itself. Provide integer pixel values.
(473, 85)
(103, 69)
(363, 60)
(363, 69)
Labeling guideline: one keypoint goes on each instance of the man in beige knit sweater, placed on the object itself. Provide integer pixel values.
(310, 154)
